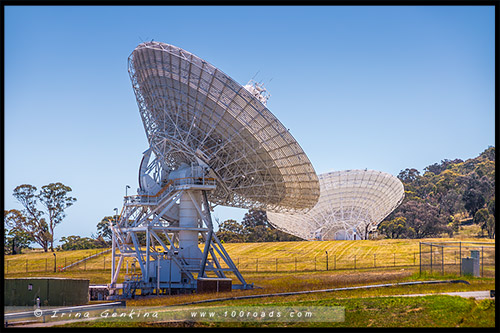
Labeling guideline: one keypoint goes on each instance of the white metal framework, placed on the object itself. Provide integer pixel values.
(170, 223)
(212, 142)
(352, 203)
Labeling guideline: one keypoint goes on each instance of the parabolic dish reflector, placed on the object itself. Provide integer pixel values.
(194, 113)
(351, 202)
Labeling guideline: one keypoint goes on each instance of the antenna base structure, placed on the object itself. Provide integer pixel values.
(159, 231)
(213, 140)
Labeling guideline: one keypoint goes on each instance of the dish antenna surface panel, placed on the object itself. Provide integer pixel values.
(194, 112)
(352, 203)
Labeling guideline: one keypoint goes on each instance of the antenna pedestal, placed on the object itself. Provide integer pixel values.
(188, 222)
(161, 234)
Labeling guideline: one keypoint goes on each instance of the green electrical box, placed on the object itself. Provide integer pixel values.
(51, 291)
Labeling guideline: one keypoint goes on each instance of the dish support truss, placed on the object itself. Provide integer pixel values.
(169, 258)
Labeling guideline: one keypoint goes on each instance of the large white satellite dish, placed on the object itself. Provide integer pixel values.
(352, 203)
(212, 142)
(192, 111)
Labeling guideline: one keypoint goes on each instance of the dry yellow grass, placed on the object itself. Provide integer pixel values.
(252, 257)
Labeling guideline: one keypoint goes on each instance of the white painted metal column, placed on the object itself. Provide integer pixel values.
(146, 278)
(188, 218)
(113, 252)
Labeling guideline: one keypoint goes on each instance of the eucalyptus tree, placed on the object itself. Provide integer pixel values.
(40, 224)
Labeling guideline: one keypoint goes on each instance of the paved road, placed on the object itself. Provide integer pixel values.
(482, 294)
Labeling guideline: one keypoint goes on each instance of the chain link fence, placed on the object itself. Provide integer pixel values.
(244, 264)
(433, 257)
(95, 261)
(326, 262)
(454, 257)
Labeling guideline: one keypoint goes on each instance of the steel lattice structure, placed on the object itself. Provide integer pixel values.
(352, 203)
(211, 142)
(193, 112)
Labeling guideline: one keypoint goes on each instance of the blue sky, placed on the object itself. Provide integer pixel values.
(377, 87)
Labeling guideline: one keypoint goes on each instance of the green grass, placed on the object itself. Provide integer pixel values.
(363, 307)
(287, 282)
(427, 311)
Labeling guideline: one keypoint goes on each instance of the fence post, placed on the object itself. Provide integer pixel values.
(460, 257)
(420, 258)
(442, 260)
(482, 262)
(431, 258)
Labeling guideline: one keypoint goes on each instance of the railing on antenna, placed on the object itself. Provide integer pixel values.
(167, 189)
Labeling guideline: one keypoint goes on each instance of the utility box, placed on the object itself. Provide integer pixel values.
(470, 265)
(51, 291)
(213, 285)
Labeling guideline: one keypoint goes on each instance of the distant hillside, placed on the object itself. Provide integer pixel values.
(446, 193)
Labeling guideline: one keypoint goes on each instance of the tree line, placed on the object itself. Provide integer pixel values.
(32, 224)
(43, 210)
(444, 196)
(253, 228)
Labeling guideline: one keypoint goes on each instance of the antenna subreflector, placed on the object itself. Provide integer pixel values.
(258, 91)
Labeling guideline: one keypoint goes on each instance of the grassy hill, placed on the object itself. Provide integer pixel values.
(249, 257)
